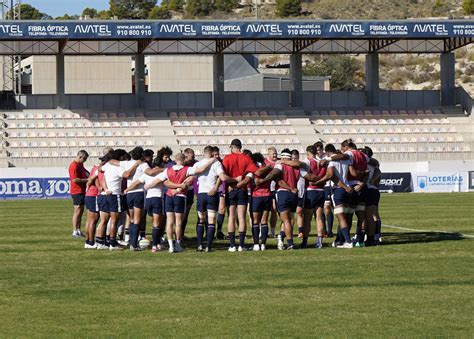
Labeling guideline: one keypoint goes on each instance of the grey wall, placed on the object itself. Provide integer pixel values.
(241, 99)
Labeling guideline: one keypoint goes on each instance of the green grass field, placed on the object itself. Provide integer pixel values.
(417, 284)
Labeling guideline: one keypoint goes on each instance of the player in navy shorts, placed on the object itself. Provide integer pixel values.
(373, 223)
(341, 195)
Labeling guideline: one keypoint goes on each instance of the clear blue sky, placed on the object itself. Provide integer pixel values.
(59, 7)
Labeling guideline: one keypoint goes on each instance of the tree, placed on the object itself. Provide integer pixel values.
(199, 7)
(342, 70)
(131, 9)
(103, 15)
(29, 12)
(160, 12)
(286, 8)
(226, 5)
(90, 12)
(67, 17)
(468, 7)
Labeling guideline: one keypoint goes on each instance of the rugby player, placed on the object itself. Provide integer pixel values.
(295, 156)
(175, 202)
(78, 180)
(135, 198)
(328, 215)
(314, 197)
(154, 204)
(114, 200)
(341, 195)
(270, 160)
(373, 199)
(237, 165)
(287, 191)
(261, 204)
(357, 177)
(92, 206)
(189, 160)
(222, 188)
(208, 196)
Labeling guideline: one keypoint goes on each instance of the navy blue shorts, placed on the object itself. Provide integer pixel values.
(359, 197)
(301, 202)
(373, 197)
(190, 197)
(260, 204)
(327, 193)
(78, 199)
(115, 203)
(340, 197)
(92, 204)
(175, 204)
(287, 201)
(314, 199)
(237, 197)
(207, 203)
(136, 200)
(102, 204)
(154, 205)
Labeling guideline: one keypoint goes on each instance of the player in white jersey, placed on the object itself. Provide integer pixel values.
(136, 197)
(222, 191)
(175, 202)
(154, 204)
(341, 195)
(114, 204)
(208, 196)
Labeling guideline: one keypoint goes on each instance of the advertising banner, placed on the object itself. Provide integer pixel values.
(424, 182)
(44, 30)
(395, 182)
(34, 188)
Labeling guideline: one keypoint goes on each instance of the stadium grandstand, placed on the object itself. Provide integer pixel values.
(89, 85)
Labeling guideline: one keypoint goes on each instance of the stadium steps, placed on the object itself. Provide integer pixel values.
(162, 132)
(304, 130)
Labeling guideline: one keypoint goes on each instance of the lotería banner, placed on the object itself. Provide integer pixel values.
(33, 188)
(395, 182)
(427, 182)
(318, 29)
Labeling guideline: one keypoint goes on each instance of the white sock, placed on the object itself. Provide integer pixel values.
(170, 243)
(127, 237)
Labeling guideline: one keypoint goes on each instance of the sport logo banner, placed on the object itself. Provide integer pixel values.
(395, 182)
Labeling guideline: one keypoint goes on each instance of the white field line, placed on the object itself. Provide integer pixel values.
(418, 230)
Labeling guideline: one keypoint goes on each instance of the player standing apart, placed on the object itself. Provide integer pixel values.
(78, 181)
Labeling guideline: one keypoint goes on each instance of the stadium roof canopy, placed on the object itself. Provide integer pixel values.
(215, 37)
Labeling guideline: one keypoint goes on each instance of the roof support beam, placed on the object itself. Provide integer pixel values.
(300, 44)
(222, 44)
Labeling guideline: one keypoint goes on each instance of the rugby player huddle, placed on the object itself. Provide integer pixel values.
(124, 187)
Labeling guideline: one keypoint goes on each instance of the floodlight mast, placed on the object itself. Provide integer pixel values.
(11, 64)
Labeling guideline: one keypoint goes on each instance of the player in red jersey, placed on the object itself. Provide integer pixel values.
(314, 197)
(237, 166)
(287, 195)
(175, 203)
(92, 205)
(270, 160)
(261, 204)
(78, 180)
